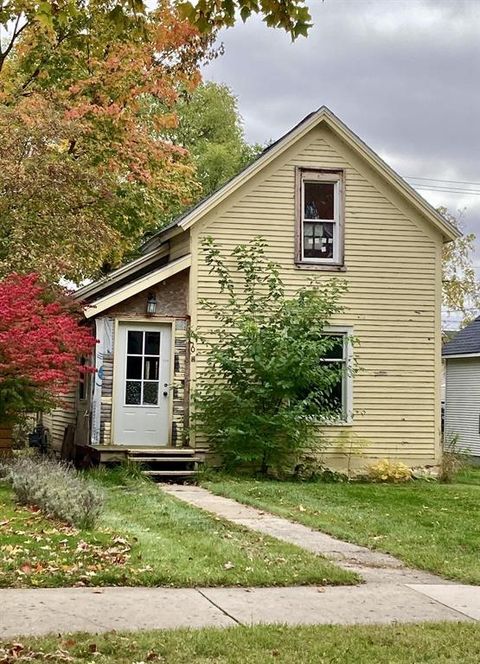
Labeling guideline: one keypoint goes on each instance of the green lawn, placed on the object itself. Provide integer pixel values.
(146, 538)
(431, 526)
(36, 551)
(411, 644)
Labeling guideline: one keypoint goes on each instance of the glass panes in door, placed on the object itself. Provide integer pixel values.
(143, 368)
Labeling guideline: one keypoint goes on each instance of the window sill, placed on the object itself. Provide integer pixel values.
(326, 267)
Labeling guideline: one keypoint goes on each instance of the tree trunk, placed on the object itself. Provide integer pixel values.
(5, 440)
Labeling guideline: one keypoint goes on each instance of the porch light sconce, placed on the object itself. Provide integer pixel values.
(151, 304)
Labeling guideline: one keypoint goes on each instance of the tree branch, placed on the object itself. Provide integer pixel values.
(16, 33)
(38, 69)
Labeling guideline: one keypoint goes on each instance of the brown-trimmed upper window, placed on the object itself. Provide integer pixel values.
(320, 218)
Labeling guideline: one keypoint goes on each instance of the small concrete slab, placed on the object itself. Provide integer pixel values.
(465, 599)
(94, 610)
(372, 604)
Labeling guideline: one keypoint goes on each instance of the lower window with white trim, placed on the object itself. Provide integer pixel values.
(340, 355)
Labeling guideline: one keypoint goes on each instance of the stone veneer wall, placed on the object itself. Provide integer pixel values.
(106, 399)
(171, 306)
(181, 376)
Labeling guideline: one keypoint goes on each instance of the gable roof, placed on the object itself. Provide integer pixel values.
(122, 274)
(137, 286)
(464, 343)
(325, 115)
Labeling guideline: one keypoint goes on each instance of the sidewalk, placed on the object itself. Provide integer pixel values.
(392, 592)
(63, 610)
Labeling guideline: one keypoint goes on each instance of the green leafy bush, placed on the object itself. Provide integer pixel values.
(266, 391)
(57, 489)
(312, 468)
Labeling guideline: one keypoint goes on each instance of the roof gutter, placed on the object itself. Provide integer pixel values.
(122, 272)
(459, 356)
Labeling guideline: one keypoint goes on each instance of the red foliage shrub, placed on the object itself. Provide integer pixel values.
(41, 341)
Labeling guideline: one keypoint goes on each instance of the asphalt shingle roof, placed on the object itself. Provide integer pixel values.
(465, 342)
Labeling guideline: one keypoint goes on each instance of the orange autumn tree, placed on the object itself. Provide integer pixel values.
(86, 167)
(89, 91)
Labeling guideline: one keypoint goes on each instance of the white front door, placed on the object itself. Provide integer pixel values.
(142, 384)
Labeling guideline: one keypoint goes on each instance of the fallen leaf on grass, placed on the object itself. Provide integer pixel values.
(121, 540)
(16, 653)
(43, 553)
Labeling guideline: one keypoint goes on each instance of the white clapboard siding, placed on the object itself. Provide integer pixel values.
(57, 420)
(462, 402)
(392, 258)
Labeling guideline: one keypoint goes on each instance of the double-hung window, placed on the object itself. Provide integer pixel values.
(340, 356)
(320, 218)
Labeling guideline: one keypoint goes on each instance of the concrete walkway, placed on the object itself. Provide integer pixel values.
(373, 566)
(392, 593)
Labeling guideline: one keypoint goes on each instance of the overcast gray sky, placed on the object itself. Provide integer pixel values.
(403, 74)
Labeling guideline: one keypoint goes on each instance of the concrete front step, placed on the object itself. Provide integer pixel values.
(162, 459)
(169, 473)
(160, 451)
(168, 463)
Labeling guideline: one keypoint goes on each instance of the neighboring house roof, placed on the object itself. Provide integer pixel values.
(137, 286)
(465, 343)
(275, 149)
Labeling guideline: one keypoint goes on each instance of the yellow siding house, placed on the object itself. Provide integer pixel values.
(327, 206)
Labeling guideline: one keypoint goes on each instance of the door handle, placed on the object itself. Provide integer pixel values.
(165, 394)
